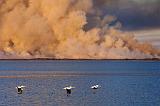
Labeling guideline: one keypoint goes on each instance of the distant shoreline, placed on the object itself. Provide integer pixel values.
(147, 59)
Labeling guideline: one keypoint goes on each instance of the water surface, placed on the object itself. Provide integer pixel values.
(123, 83)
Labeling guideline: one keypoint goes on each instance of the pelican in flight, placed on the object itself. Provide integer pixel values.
(68, 89)
(95, 86)
(20, 89)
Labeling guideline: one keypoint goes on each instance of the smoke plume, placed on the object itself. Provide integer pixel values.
(75, 29)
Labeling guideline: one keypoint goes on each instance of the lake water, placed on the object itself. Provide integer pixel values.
(123, 83)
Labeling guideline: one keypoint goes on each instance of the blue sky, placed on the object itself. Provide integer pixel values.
(133, 14)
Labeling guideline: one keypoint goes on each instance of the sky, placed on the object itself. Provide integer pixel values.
(134, 14)
(137, 15)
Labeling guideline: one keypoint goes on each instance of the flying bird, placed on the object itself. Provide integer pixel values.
(95, 86)
(68, 90)
(20, 89)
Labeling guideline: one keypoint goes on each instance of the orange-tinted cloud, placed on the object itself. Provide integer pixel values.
(56, 28)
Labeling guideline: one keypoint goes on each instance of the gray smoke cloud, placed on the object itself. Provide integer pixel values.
(74, 29)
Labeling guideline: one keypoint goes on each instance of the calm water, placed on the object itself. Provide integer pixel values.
(123, 83)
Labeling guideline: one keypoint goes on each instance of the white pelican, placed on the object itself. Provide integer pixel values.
(20, 89)
(95, 86)
(68, 89)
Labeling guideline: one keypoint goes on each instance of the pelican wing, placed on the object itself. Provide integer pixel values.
(65, 88)
(70, 87)
(95, 86)
(23, 86)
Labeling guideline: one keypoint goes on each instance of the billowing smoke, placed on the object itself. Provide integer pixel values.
(74, 29)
